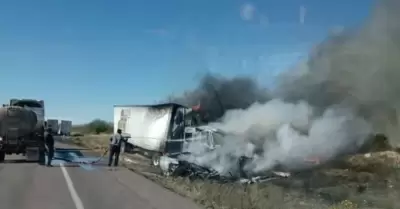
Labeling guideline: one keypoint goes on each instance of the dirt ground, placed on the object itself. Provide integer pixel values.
(369, 180)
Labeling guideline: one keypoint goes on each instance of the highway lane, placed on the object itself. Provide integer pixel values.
(67, 186)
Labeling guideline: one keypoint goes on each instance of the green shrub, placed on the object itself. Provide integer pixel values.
(96, 126)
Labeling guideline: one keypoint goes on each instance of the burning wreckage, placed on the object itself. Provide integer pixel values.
(231, 163)
(188, 141)
(292, 140)
(241, 168)
(179, 167)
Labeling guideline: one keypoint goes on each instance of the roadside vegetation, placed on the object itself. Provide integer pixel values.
(96, 126)
(94, 135)
(361, 181)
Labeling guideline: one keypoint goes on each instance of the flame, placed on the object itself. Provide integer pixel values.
(313, 160)
(197, 107)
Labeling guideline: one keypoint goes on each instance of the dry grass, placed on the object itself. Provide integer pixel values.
(361, 181)
(286, 194)
(379, 162)
(237, 196)
(261, 196)
(95, 142)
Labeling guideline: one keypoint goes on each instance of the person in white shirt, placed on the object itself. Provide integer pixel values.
(115, 147)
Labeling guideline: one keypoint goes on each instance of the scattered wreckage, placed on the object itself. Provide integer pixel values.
(240, 152)
(181, 166)
(177, 167)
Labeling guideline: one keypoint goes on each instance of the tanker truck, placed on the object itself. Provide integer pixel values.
(22, 129)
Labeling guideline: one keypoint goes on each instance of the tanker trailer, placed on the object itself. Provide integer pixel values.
(20, 132)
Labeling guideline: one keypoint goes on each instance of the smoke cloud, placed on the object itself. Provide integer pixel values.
(216, 95)
(347, 89)
(358, 68)
(279, 133)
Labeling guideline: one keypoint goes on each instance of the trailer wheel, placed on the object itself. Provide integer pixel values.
(129, 148)
(2, 156)
(155, 160)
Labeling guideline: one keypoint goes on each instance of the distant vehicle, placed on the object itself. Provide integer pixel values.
(163, 129)
(65, 127)
(22, 128)
(53, 124)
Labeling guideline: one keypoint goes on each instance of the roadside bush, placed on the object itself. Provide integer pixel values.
(99, 126)
(96, 126)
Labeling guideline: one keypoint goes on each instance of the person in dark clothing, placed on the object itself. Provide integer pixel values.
(50, 146)
(115, 147)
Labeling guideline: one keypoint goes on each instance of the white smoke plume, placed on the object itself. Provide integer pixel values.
(284, 133)
(348, 89)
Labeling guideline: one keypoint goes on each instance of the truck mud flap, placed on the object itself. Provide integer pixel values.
(32, 154)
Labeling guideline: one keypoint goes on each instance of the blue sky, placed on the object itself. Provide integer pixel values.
(84, 56)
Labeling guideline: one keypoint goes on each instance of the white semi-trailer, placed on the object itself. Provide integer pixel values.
(53, 124)
(65, 127)
(161, 129)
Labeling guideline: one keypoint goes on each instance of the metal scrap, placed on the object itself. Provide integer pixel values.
(182, 168)
(194, 171)
(264, 178)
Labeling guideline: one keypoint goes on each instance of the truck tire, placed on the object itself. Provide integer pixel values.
(42, 157)
(129, 148)
(2, 156)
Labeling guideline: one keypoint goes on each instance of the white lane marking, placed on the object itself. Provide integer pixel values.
(77, 200)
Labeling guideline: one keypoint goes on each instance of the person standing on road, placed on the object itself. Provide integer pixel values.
(50, 146)
(115, 147)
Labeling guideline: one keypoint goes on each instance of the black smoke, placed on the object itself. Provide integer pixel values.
(359, 68)
(217, 94)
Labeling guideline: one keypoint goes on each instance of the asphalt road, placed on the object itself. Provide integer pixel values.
(27, 185)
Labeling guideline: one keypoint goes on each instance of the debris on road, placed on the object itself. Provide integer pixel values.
(183, 168)
(175, 167)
